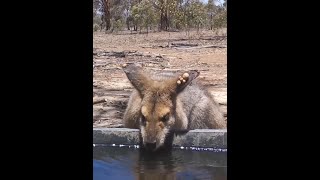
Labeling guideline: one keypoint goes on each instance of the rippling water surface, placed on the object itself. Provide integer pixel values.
(128, 163)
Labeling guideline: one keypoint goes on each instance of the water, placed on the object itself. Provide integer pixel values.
(128, 163)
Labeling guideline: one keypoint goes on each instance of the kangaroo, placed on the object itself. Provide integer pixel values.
(165, 102)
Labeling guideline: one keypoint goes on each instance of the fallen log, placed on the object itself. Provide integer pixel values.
(183, 44)
(98, 100)
(199, 47)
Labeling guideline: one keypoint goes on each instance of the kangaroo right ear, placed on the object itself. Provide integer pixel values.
(185, 79)
(136, 76)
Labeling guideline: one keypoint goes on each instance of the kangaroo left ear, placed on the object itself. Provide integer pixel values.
(185, 79)
(137, 77)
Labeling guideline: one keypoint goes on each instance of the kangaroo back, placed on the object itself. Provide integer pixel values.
(200, 108)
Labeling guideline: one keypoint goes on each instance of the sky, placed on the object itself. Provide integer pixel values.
(217, 2)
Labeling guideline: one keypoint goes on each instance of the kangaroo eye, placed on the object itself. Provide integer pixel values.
(165, 118)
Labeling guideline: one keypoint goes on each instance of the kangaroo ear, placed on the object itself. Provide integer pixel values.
(185, 79)
(136, 76)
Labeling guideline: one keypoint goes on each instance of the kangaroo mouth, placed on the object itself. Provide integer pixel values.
(153, 147)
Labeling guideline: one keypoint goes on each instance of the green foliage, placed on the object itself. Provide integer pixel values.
(220, 19)
(97, 20)
(194, 14)
(96, 27)
(117, 25)
(178, 14)
(144, 14)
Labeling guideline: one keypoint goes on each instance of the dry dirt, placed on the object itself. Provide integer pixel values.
(160, 51)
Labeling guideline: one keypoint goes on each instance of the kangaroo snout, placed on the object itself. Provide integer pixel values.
(151, 146)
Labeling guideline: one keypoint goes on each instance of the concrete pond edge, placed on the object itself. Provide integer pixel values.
(205, 138)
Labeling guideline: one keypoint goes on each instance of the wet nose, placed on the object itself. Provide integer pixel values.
(151, 146)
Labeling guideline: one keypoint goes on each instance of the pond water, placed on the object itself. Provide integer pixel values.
(123, 163)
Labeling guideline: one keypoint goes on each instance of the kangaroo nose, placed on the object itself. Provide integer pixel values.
(151, 146)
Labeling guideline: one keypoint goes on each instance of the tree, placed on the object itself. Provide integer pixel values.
(167, 14)
(220, 18)
(106, 13)
(130, 20)
(143, 14)
(211, 10)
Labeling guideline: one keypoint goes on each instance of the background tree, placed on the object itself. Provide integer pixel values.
(144, 14)
(166, 14)
(106, 16)
(211, 8)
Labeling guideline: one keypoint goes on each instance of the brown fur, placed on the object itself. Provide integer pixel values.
(159, 103)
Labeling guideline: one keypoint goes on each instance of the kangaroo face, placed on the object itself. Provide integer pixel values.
(158, 103)
(157, 118)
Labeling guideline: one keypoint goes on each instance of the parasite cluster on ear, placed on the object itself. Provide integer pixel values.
(185, 75)
(183, 78)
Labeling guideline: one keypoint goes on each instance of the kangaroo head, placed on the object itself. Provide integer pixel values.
(158, 102)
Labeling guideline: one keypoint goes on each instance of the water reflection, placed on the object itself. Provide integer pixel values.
(125, 163)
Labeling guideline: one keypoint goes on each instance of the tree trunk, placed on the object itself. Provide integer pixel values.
(107, 15)
(102, 22)
(128, 26)
(161, 21)
(164, 22)
(167, 22)
(211, 25)
(167, 19)
(177, 26)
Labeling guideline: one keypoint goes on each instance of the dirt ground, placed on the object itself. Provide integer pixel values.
(159, 51)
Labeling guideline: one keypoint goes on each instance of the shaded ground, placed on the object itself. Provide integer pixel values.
(160, 51)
